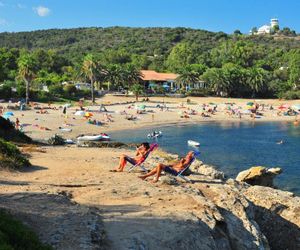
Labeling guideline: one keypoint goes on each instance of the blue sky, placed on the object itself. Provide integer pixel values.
(213, 15)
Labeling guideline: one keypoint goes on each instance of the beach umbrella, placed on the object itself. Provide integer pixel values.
(9, 113)
(79, 113)
(68, 105)
(6, 116)
(88, 114)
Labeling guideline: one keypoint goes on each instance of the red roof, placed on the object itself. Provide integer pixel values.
(151, 75)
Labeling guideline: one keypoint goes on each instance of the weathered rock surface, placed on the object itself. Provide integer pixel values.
(259, 176)
(207, 170)
(57, 221)
(105, 144)
(278, 215)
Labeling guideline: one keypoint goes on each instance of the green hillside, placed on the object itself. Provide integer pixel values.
(233, 65)
(76, 42)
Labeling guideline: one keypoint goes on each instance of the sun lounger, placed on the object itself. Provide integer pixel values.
(180, 174)
(153, 146)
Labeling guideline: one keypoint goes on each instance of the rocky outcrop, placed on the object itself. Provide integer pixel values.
(278, 215)
(58, 221)
(259, 176)
(105, 144)
(207, 170)
(56, 140)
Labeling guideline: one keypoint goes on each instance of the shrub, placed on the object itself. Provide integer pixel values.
(291, 95)
(56, 90)
(15, 235)
(8, 132)
(5, 92)
(159, 89)
(10, 156)
(70, 89)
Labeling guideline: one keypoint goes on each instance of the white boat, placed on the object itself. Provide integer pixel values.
(101, 137)
(69, 141)
(155, 134)
(65, 129)
(105, 137)
(193, 143)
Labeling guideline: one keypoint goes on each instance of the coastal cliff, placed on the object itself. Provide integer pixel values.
(74, 202)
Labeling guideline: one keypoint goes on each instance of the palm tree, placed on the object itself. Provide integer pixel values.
(123, 76)
(26, 68)
(90, 70)
(115, 75)
(217, 81)
(137, 89)
(131, 75)
(188, 76)
(257, 78)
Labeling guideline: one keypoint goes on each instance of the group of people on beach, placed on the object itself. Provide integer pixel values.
(140, 155)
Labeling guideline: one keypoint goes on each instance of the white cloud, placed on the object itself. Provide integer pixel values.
(3, 22)
(21, 6)
(42, 11)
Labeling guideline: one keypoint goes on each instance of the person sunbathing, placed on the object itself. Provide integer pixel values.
(141, 152)
(173, 169)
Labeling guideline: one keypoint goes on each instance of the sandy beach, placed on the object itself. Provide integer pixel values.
(175, 111)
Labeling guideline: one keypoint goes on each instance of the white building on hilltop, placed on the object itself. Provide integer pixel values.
(274, 22)
(267, 29)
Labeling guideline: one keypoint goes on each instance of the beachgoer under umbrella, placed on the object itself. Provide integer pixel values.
(140, 154)
(172, 169)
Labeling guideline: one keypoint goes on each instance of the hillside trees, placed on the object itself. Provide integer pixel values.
(232, 65)
(90, 70)
(294, 68)
(26, 70)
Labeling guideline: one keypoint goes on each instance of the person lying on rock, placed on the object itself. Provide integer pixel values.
(173, 169)
(140, 155)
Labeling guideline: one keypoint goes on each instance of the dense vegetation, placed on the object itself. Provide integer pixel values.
(14, 235)
(11, 157)
(231, 65)
(9, 133)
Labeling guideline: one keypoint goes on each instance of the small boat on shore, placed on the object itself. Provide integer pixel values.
(101, 137)
(155, 134)
(69, 141)
(193, 143)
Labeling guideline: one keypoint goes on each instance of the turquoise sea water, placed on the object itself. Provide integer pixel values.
(234, 146)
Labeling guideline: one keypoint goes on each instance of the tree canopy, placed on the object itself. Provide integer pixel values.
(232, 65)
